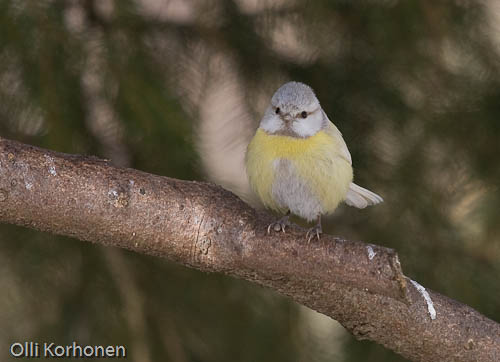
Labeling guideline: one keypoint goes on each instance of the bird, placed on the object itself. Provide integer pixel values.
(298, 163)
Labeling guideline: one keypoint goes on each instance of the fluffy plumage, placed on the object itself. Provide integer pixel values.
(298, 161)
(307, 176)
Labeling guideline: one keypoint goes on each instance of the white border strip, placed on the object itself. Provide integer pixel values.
(425, 294)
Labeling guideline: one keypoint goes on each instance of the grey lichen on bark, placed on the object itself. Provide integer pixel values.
(203, 226)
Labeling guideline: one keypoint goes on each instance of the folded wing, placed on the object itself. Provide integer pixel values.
(357, 196)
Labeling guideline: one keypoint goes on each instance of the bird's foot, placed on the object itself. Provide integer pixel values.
(279, 225)
(314, 232)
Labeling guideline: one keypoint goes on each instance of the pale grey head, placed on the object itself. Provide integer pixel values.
(294, 111)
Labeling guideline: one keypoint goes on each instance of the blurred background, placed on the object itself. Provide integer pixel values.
(177, 88)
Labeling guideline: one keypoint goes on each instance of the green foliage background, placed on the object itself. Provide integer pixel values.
(413, 86)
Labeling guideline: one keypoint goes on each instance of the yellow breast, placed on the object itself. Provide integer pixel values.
(316, 159)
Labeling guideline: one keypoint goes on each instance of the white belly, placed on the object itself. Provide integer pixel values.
(291, 192)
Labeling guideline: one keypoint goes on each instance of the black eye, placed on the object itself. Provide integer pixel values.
(303, 114)
(277, 110)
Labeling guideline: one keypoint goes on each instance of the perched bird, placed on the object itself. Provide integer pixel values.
(297, 162)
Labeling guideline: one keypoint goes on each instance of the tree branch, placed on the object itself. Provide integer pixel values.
(205, 227)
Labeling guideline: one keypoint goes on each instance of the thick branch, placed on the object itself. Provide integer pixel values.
(202, 226)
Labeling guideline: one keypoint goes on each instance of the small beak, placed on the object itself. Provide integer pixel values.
(287, 118)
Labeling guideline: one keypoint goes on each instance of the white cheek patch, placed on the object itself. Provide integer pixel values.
(271, 123)
(307, 127)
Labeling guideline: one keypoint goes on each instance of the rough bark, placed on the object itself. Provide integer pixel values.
(201, 225)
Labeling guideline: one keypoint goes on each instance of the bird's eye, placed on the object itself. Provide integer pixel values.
(277, 110)
(303, 114)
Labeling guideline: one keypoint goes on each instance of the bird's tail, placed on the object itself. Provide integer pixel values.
(360, 197)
